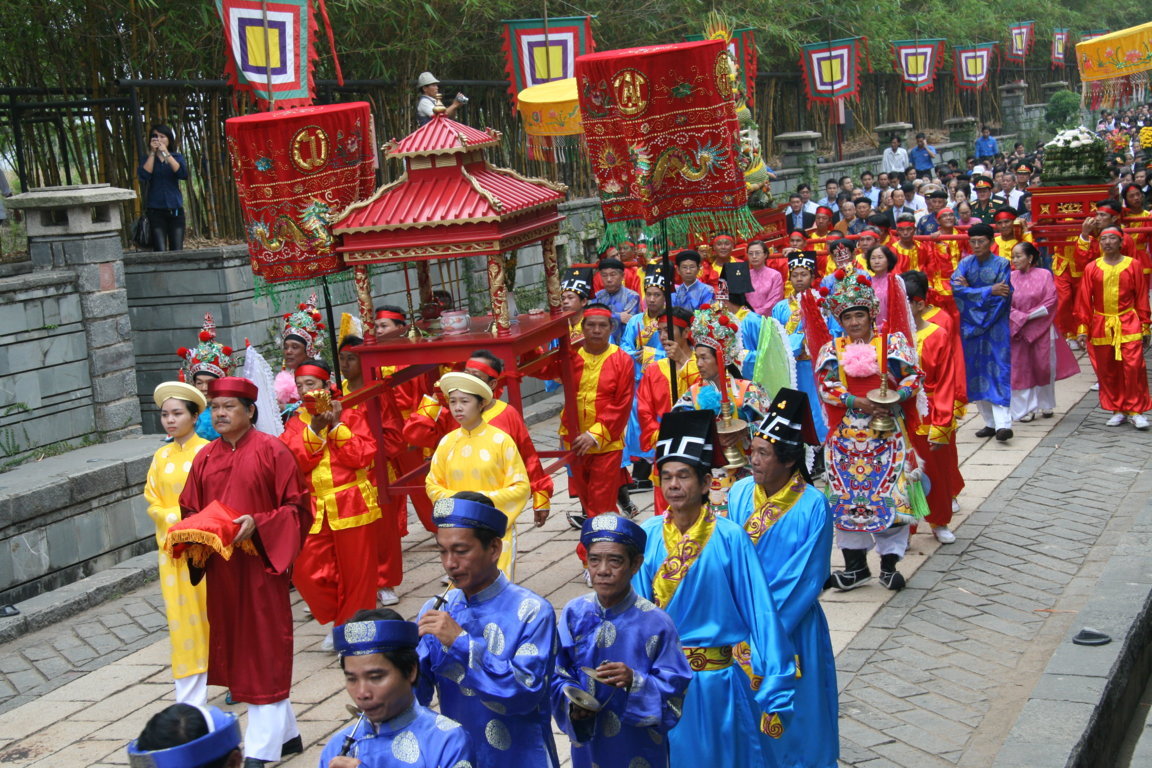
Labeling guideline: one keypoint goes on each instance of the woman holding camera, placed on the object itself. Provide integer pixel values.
(162, 170)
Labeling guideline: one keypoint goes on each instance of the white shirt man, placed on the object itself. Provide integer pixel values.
(895, 157)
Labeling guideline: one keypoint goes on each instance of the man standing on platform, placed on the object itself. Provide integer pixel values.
(983, 293)
(254, 475)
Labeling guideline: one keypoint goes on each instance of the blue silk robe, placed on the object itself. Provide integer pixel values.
(624, 300)
(984, 330)
(644, 352)
(418, 737)
(796, 553)
(494, 677)
(724, 599)
(634, 722)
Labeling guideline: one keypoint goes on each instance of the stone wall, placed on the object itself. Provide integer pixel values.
(73, 516)
(45, 387)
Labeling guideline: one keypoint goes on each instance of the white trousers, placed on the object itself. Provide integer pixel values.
(1026, 401)
(995, 416)
(192, 690)
(891, 541)
(269, 726)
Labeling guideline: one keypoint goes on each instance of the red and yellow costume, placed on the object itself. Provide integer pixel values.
(938, 356)
(605, 385)
(1002, 246)
(921, 255)
(1112, 309)
(654, 399)
(1068, 264)
(432, 421)
(1142, 241)
(393, 523)
(336, 570)
(406, 397)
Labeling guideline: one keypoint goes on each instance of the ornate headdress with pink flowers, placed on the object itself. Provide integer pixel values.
(206, 357)
(714, 327)
(851, 291)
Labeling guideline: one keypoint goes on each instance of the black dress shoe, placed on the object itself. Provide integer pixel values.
(1003, 435)
(576, 520)
(986, 432)
(293, 746)
(252, 762)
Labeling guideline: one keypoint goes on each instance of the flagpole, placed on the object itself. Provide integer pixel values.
(268, 56)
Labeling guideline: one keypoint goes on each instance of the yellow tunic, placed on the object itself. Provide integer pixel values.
(483, 460)
(185, 605)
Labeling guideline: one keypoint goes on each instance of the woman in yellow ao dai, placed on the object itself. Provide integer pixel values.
(479, 457)
(185, 605)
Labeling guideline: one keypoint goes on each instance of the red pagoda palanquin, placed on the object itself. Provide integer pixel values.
(451, 203)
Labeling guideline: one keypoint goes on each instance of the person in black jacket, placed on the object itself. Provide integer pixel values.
(162, 170)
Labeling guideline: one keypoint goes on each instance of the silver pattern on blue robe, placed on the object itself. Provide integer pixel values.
(417, 737)
(494, 678)
(796, 555)
(632, 724)
(724, 599)
(984, 330)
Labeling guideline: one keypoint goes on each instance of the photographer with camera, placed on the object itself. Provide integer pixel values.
(429, 88)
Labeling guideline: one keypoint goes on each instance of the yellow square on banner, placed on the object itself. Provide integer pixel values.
(917, 64)
(974, 67)
(1018, 38)
(257, 54)
(831, 70)
(548, 62)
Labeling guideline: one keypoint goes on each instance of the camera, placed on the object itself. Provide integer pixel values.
(461, 98)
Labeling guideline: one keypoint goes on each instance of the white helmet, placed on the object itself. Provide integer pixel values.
(426, 78)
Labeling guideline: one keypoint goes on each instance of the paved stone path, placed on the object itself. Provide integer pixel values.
(940, 672)
(931, 676)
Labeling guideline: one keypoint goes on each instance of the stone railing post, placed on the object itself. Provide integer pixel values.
(78, 229)
(963, 129)
(1050, 88)
(1012, 107)
(887, 130)
(798, 150)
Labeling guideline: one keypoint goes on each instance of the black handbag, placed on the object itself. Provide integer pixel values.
(142, 228)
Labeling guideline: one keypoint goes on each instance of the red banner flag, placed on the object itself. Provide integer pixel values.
(917, 61)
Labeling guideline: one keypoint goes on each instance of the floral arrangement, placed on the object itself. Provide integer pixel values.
(1146, 137)
(1076, 153)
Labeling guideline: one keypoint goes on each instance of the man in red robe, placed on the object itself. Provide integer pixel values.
(250, 645)
(935, 436)
(1113, 315)
(605, 378)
